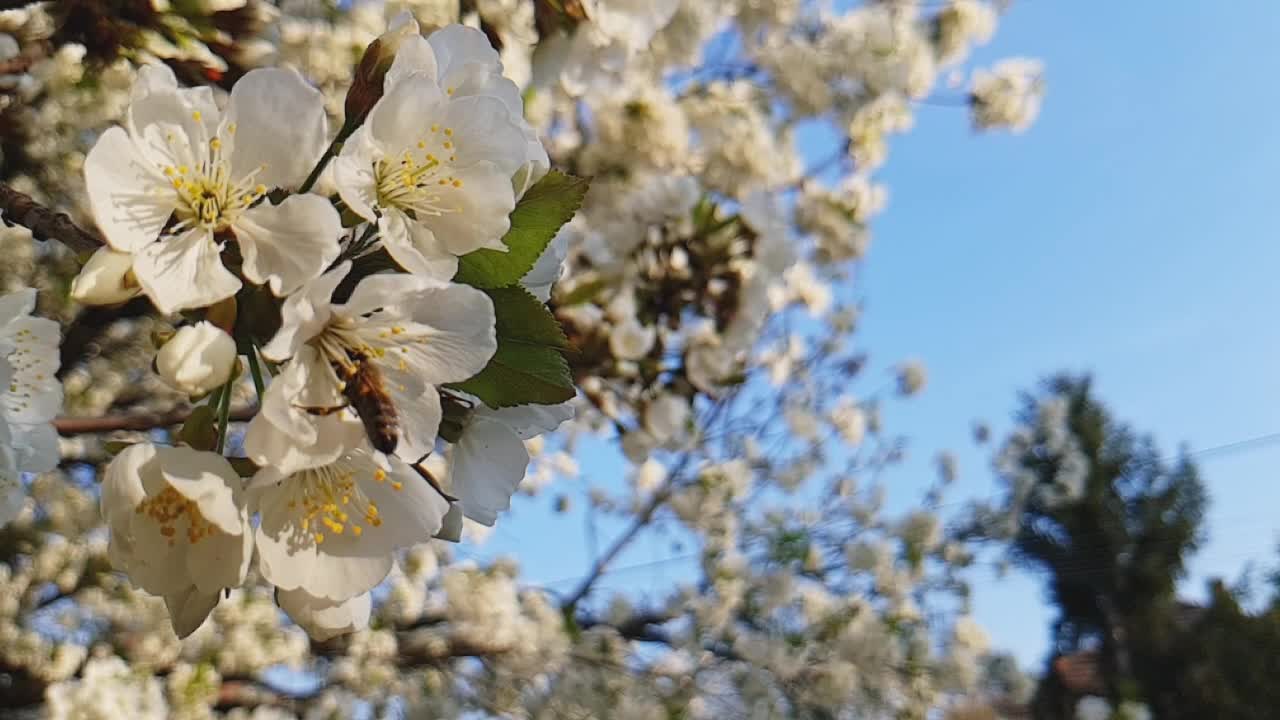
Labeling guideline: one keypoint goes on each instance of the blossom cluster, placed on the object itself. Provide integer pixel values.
(352, 272)
(355, 334)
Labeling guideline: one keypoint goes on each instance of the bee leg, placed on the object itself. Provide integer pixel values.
(431, 480)
(321, 410)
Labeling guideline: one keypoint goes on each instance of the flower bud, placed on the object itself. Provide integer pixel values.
(367, 83)
(106, 279)
(197, 359)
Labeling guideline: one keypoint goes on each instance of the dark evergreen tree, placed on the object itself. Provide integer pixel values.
(1111, 524)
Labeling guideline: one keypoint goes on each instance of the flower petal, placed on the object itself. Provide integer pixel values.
(154, 564)
(220, 561)
(281, 123)
(419, 422)
(131, 201)
(185, 272)
(288, 244)
(414, 55)
(208, 480)
(479, 210)
(305, 314)
(122, 489)
(353, 174)
(530, 421)
(411, 509)
(415, 248)
(35, 447)
(485, 468)
(188, 609)
(153, 77)
(12, 495)
(402, 116)
(456, 324)
(172, 127)
(325, 619)
(16, 304)
(288, 438)
(484, 130)
(458, 46)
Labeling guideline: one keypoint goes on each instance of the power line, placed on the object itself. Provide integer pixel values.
(1252, 443)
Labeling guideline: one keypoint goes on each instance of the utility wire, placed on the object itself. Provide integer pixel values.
(1236, 446)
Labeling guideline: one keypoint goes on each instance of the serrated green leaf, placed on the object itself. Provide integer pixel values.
(522, 318)
(522, 375)
(528, 367)
(538, 216)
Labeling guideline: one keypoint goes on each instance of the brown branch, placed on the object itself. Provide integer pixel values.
(45, 224)
(141, 422)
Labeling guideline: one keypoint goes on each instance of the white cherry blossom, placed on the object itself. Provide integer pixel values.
(415, 332)
(30, 394)
(332, 531)
(179, 527)
(434, 163)
(12, 496)
(182, 177)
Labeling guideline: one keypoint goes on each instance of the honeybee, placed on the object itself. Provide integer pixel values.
(366, 394)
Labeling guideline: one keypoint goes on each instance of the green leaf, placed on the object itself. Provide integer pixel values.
(199, 431)
(538, 216)
(522, 375)
(521, 317)
(528, 366)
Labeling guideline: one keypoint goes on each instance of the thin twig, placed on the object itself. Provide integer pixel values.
(642, 520)
(139, 422)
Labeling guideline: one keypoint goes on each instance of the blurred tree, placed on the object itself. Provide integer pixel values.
(1094, 506)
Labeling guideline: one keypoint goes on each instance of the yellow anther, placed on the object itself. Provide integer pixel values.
(196, 115)
(448, 131)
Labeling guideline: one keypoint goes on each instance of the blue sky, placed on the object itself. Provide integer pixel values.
(1131, 232)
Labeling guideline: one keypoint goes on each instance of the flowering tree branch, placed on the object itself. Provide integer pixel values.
(19, 208)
